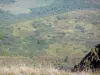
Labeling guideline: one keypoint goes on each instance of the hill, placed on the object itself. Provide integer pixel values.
(53, 39)
(61, 6)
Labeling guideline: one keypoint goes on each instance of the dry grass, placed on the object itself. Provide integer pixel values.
(25, 70)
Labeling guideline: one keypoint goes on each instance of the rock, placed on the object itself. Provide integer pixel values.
(90, 62)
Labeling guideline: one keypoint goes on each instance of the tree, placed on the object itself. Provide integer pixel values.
(66, 59)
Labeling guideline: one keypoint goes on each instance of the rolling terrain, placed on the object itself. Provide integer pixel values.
(53, 39)
(60, 33)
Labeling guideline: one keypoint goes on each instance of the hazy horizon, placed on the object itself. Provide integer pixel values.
(22, 6)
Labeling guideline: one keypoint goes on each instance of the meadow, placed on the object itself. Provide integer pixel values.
(40, 70)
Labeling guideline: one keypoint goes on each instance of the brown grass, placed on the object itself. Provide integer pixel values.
(25, 70)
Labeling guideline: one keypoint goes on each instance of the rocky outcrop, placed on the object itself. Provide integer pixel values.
(90, 62)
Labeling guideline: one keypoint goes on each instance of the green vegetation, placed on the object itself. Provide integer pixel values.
(55, 38)
(1, 36)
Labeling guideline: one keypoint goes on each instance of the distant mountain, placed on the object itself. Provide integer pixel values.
(5, 15)
(60, 6)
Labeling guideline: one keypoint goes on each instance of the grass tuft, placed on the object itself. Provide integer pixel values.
(26, 70)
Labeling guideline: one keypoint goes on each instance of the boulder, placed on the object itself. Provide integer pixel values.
(91, 62)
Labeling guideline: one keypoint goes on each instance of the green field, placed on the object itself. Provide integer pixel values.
(61, 39)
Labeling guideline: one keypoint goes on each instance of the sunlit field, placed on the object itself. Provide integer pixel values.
(40, 70)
